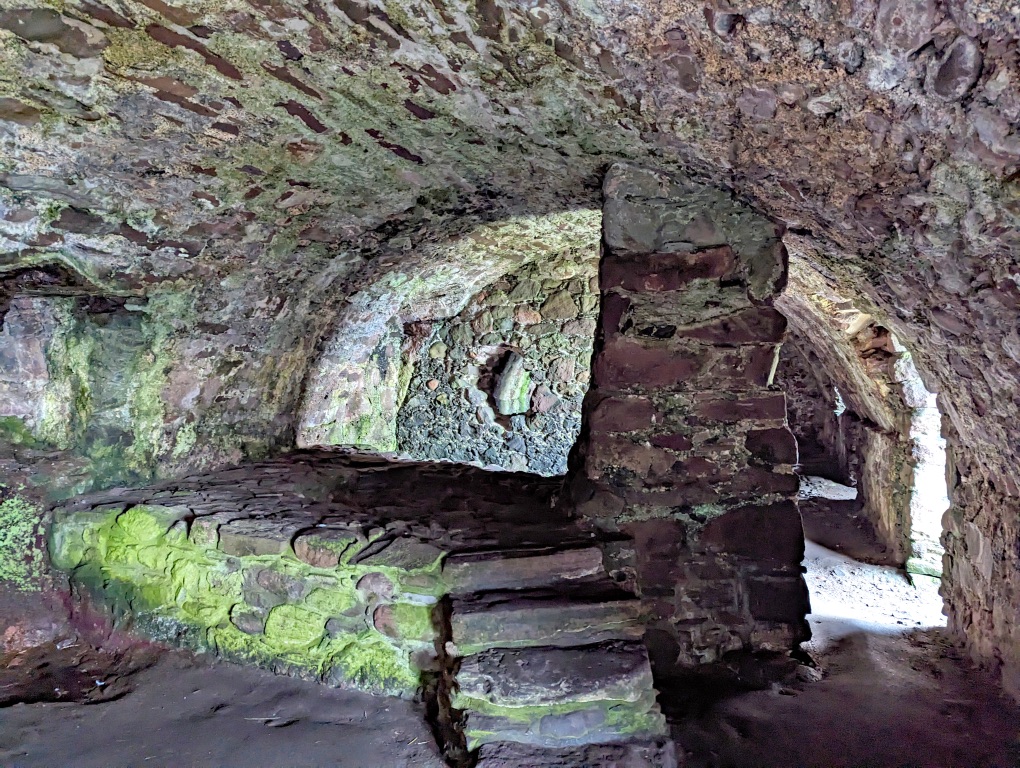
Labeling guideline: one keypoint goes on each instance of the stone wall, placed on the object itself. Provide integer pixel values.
(862, 359)
(87, 373)
(815, 411)
(685, 446)
(982, 541)
(502, 382)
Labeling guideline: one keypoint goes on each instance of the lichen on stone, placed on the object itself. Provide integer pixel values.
(272, 610)
(22, 561)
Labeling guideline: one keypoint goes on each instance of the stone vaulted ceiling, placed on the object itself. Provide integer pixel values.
(262, 159)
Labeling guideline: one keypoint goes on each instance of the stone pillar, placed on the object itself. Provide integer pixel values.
(684, 446)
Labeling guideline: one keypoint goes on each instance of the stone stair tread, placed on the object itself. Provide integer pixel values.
(596, 723)
(587, 591)
(517, 570)
(514, 620)
(545, 676)
(645, 754)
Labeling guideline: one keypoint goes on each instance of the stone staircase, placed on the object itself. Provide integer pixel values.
(551, 669)
(473, 588)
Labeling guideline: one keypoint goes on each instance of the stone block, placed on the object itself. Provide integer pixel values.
(778, 600)
(710, 596)
(754, 481)
(375, 585)
(522, 621)
(406, 553)
(248, 621)
(257, 537)
(769, 406)
(770, 533)
(749, 326)
(509, 754)
(488, 571)
(555, 676)
(672, 441)
(648, 463)
(613, 310)
(593, 724)
(559, 306)
(656, 272)
(267, 588)
(623, 414)
(325, 547)
(625, 362)
(772, 446)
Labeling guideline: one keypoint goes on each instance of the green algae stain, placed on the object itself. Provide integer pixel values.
(142, 564)
(413, 622)
(14, 430)
(371, 664)
(294, 627)
(21, 561)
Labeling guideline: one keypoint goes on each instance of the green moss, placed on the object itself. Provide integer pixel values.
(624, 719)
(184, 441)
(145, 402)
(142, 564)
(294, 628)
(14, 430)
(330, 602)
(370, 664)
(413, 622)
(67, 399)
(21, 561)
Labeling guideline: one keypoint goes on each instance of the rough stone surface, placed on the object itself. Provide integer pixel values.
(237, 173)
(640, 755)
(461, 417)
(686, 351)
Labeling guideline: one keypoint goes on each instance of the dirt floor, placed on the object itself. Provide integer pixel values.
(890, 691)
(894, 691)
(185, 711)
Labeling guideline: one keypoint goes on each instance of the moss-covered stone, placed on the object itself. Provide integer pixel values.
(21, 558)
(268, 609)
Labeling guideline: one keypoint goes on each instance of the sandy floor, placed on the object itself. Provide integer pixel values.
(893, 693)
(848, 596)
(183, 712)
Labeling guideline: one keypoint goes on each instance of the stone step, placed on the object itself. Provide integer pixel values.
(595, 723)
(545, 617)
(647, 754)
(485, 571)
(552, 696)
(550, 676)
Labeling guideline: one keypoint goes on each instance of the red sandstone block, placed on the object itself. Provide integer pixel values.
(739, 368)
(697, 466)
(682, 495)
(657, 539)
(731, 410)
(780, 600)
(656, 272)
(623, 414)
(608, 452)
(771, 533)
(772, 446)
(613, 309)
(753, 325)
(712, 595)
(625, 362)
(673, 442)
(759, 481)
